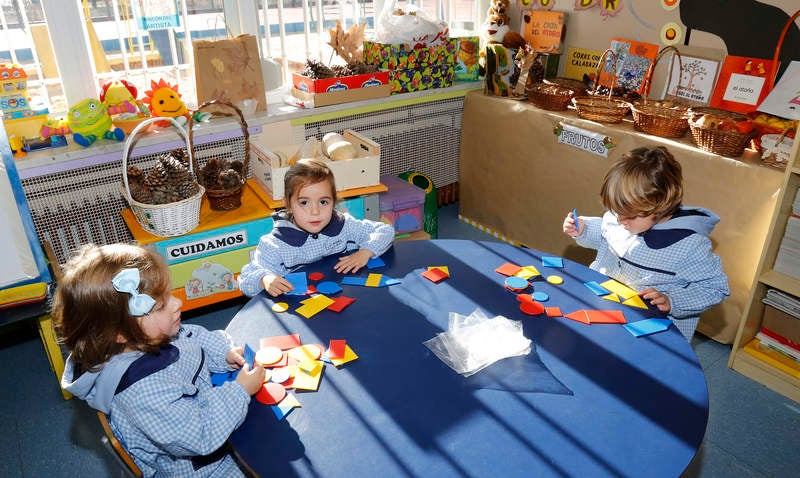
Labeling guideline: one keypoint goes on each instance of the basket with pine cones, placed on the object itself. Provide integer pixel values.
(166, 199)
(223, 174)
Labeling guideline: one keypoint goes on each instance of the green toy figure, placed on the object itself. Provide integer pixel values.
(87, 121)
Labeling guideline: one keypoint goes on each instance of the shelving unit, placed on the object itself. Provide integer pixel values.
(763, 371)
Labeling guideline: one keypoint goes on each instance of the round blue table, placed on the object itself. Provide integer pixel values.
(589, 400)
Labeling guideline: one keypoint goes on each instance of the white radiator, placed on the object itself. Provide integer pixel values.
(78, 206)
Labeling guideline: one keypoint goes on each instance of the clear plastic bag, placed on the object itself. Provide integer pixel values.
(476, 341)
(405, 23)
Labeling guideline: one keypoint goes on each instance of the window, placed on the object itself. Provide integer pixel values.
(144, 40)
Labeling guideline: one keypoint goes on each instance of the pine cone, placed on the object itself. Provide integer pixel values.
(229, 179)
(179, 179)
(238, 166)
(165, 196)
(156, 177)
(210, 172)
(181, 155)
(317, 70)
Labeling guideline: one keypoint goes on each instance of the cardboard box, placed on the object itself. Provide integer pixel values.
(344, 96)
(423, 78)
(359, 172)
(781, 323)
(414, 69)
(402, 56)
(328, 85)
(333, 91)
(402, 205)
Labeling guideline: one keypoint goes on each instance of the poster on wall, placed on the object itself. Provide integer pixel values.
(633, 60)
(742, 84)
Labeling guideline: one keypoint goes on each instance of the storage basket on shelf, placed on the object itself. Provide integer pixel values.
(777, 148)
(173, 218)
(711, 131)
(601, 108)
(668, 119)
(223, 171)
(549, 97)
(577, 86)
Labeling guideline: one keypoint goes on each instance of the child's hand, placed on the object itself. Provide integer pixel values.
(235, 358)
(276, 285)
(251, 380)
(657, 299)
(572, 224)
(353, 262)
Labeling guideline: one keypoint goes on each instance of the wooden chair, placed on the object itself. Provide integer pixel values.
(110, 441)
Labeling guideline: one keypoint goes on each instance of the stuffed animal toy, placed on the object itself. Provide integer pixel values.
(497, 28)
(501, 44)
(125, 110)
(165, 101)
(87, 121)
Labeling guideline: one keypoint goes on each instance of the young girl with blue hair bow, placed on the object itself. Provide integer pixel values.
(132, 359)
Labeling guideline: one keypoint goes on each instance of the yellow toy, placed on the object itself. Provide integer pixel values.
(125, 110)
(87, 121)
(165, 101)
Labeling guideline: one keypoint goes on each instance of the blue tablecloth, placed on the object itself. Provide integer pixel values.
(589, 400)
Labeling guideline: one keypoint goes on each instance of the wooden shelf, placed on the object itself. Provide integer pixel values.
(775, 279)
(767, 367)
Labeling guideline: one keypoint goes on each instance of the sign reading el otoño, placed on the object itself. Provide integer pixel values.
(208, 245)
(589, 141)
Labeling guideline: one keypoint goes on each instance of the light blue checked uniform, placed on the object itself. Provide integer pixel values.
(673, 257)
(163, 409)
(288, 247)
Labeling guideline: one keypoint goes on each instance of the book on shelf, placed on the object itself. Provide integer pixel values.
(796, 203)
(544, 30)
(741, 84)
(633, 63)
(779, 343)
(783, 302)
(581, 61)
(773, 358)
(787, 261)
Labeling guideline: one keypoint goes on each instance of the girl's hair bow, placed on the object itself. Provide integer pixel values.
(127, 281)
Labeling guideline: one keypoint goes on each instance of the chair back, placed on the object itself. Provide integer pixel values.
(111, 442)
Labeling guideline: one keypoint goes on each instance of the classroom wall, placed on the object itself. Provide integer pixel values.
(737, 27)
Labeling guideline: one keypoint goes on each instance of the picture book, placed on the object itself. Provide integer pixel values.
(692, 79)
(633, 61)
(742, 82)
(581, 61)
(544, 30)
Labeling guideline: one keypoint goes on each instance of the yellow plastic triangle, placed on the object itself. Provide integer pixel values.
(527, 272)
(618, 288)
(635, 301)
(612, 297)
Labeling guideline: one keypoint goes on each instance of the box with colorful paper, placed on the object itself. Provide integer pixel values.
(414, 69)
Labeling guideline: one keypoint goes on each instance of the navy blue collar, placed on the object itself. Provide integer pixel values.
(296, 237)
(146, 365)
(661, 238)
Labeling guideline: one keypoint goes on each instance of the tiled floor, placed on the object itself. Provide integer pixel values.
(752, 431)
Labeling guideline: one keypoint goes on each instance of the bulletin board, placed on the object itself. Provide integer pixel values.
(21, 256)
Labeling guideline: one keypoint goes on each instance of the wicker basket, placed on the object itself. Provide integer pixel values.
(577, 86)
(166, 220)
(224, 199)
(659, 118)
(777, 149)
(550, 97)
(599, 108)
(717, 141)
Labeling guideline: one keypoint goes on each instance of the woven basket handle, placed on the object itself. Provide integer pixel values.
(242, 123)
(600, 64)
(648, 79)
(129, 145)
(774, 72)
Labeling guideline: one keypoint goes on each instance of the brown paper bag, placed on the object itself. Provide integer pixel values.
(229, 70)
